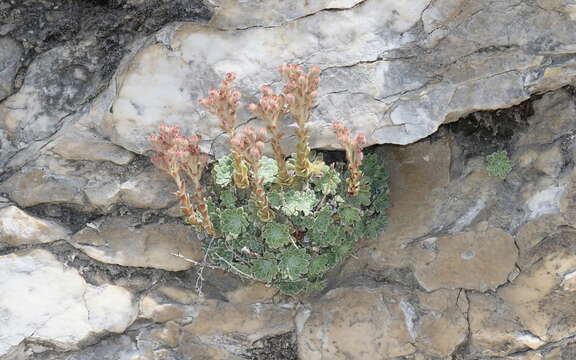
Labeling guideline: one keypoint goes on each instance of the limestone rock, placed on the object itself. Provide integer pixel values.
(151, 308)
(120, 241)
(366, 73)
(77, 144)
(149, 189)
(42, 300)
(10, 56)
(478, 260)
(232, 14)
(39, 186)
(103, 194)
(19, 228)
(553, 117)
(385, 322)
(413, 202)
(543, 295)
(495, 329)
(234, 327)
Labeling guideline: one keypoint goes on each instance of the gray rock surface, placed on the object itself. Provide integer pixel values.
(10, 57)
(396, 72)
(470, 266)
(44, 301)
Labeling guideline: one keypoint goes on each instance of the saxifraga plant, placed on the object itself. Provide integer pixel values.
(285, 221)
(498, 164)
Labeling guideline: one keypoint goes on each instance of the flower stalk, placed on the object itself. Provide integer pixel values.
(177, 154)
(354, 155)
(272, 108)
(223, 103)
(251, 145)
(301, 91)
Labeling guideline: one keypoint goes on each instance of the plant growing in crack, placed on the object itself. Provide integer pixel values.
(287, 220)
(498, 164)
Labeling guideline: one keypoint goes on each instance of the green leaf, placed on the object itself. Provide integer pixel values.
(275, 199)
(242, 270)
(343, 251)
(292, 287)
(375, 173)
(233, 222)
(276, 235)
(319, 265)
(268, 169)
(248, 241)
(299, 201)
(334, 235)
(223, 171)
(375, 226)
(228, 198)
(303, 222)
(293, 263)
(323, 220)
(328, 184)
(349, 215)
(265, 269)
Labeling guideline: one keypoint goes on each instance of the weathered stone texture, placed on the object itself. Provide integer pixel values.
(470, 266)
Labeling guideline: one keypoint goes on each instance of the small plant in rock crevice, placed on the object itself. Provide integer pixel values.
(282, 220)
(498, 164)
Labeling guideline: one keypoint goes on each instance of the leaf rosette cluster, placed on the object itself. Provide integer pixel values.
(282, 220)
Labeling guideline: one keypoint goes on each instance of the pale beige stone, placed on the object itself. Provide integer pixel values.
(19, 228)
(384, 322)
(253, 293)
(233, 14)
(149, 189)
(495, 330)
(479, 260)
(82, 144)
(413, 203)
(159, 312)
(543, 295)
(38, 186)
(180, 295)
(235, 326)
(119, 241)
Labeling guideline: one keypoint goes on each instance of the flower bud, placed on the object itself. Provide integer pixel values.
(360, 139)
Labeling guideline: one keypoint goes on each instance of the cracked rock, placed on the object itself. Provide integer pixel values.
(381, 71)
(43, 300)
(381, 323)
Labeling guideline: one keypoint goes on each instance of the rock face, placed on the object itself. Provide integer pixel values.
(394, 71)
(386, 322)
(18, 228)
(118, 241)
(11, 52)
(43, 301)
(470, 266)
(484, 258)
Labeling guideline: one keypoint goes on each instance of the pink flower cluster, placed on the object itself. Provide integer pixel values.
(301, 89)
(223, 103)
(353, 148)
(175, 151)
